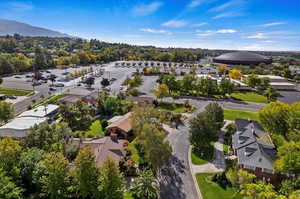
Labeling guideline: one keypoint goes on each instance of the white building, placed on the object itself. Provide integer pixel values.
(277, 82)
(20, 126)
(207, 70)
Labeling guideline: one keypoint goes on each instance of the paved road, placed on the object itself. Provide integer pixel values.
(148, 85)
(177, 181)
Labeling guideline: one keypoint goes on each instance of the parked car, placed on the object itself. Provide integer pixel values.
(11, 97)
(59, 85)
(28, 76)
(36, 83)
(52, 89)
(18, 77)
(47, 71)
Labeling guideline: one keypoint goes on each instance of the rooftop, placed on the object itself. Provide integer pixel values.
(104, 148)
(23, 123)
(253, 146)
(124, 123)
(41, 111)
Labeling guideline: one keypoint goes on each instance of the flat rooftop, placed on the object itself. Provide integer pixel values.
(41, 111)
(23, 123)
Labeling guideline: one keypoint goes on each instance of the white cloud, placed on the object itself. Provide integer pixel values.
(146, 9)
(175, 23)
(21, 6)
(155, 31)
(257, 36)
(273, 24)
(205, 33)
(232, 8)
(268, 41)
(228, 14)
(195, 3)
(199, 24)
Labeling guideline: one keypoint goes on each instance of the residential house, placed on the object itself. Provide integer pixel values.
(104, 148)
(121, 125)
(255, 150)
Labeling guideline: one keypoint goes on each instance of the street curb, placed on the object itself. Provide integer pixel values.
(193, 174)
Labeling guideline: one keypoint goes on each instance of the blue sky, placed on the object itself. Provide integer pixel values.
(213, 24)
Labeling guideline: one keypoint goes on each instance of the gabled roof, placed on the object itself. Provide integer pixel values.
(123, 123)
(104, 148)
(253, 146)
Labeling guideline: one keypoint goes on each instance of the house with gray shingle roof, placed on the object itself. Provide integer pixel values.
(255, 150)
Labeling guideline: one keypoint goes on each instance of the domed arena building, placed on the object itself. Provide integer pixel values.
(242, 58)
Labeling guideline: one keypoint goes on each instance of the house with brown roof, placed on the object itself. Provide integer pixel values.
(121, 126)
(104, 148)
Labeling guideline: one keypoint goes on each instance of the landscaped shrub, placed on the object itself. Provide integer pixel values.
(220, 179)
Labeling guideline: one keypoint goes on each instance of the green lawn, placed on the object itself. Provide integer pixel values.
(173, 107)
(211, 190)
(207, 155)
(50, 100)
(232, 114)
(17, 92)
(250, 97)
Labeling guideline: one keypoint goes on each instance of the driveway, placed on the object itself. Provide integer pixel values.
(177, 180)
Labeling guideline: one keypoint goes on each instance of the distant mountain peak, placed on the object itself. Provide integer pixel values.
(10, 27)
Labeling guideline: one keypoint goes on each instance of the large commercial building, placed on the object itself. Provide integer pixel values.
(21, 125)
(277, 82)
(242, 58)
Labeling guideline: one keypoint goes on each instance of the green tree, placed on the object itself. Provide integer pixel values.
(28, 162)
(260, 190)
(145, 186)
(161, 91)
(8, 189)
(289, 158)
(48, 137)
(274, 118)
(214, 113)
(86, 174)
(239, 177)
(294, 116)
(271, 94)
(10, 150)
(156, 150)
(112, 182)
(51, 174)
(253, 81)
(201, 132)
(76, 115)
(226, 86)
(6, 111)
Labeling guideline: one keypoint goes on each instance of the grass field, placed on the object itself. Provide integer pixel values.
(250, 97)
(207, 155)
(173, 107)
(211, 190)
(16, 92)
(232, 114)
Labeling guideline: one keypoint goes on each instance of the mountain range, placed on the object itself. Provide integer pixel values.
(9, 27)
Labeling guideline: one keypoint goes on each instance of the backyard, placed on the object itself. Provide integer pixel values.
(211, 190)
(250, 97)
(232, 114)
